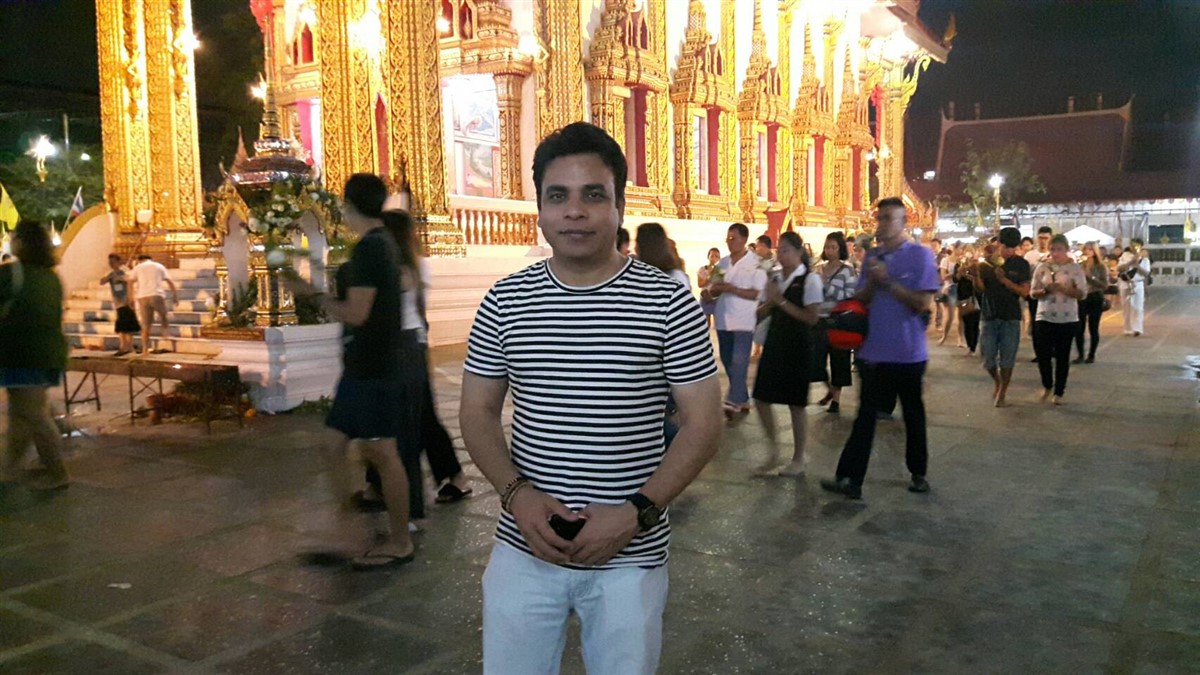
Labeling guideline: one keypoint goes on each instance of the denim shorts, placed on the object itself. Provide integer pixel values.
(998, 342)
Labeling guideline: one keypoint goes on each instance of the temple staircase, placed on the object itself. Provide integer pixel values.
(89, 315)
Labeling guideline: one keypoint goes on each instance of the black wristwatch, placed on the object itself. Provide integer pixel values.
(648, 513)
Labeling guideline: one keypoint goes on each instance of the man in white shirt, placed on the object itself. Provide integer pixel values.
(148, 278)
(737, 296)
(1133, 268)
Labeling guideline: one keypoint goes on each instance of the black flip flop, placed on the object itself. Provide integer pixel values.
(451, 493)
(377, 560)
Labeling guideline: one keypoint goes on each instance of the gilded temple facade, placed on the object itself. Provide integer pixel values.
(747, 110)
(780, 112)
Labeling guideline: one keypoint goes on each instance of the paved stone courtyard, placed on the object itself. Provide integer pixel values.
(1055, 541)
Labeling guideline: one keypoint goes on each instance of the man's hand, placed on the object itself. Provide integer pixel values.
(609, 529)
(878, 272)
(532, 508)
(718, 287)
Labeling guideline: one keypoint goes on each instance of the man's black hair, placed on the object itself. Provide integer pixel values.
(889, 202)
(581, 138)
(144, 256)
(1045, 229)
(1010, 237)
(367, 192)
(741, 229)
(1137, 240)
(766, 239)
(1026, 239)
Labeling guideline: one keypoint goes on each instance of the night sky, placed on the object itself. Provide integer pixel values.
(1015, 57)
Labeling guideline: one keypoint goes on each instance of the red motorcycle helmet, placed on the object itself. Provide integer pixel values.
(848, 324)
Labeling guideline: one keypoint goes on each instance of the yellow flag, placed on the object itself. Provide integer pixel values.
(8, 210)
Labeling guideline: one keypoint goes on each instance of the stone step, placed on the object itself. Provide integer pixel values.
(73, 315)
(107, 328)
(110, 343)
(87, 300)
(199, 282)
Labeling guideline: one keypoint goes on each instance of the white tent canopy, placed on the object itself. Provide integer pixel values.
(1085, 233)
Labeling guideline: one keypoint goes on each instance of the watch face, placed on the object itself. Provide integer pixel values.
(649, 517)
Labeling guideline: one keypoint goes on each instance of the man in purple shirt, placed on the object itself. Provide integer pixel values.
(898, 282)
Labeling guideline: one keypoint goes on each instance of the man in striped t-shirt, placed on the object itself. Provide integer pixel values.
(590, 343)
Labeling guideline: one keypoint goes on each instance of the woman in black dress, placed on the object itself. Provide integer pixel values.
(792, 298)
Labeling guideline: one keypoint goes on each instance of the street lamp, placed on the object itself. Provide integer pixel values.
(996, 181)
(41, 149)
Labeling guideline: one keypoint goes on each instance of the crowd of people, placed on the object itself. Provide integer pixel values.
(608, 357)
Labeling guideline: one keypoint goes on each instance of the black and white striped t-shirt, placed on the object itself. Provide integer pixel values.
(590, 370)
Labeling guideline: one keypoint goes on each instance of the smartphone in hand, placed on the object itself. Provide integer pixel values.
(567, 529)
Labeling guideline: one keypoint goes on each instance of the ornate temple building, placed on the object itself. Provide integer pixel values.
(777, 113)
(761, 111)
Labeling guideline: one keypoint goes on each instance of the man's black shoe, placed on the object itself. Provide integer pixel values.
(842, 486)
(919, 484)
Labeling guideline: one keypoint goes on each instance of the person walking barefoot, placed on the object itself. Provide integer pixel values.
(791, 300)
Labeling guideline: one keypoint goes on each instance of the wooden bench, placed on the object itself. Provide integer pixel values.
(221, 383)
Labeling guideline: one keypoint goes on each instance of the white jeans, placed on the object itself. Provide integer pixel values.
(1133, 306)
(526, 603)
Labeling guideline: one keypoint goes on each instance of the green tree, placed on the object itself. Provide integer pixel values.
(1008, 159)
(50, 201)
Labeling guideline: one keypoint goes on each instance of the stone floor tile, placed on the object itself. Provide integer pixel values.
(1046, 589)
(210, 622)
(95, 595)
(1167, 654)
(333, 585)
(1168, 605)
(78, 656)
(17, 629)
(959, 639)
(339, 645)
(442, 598)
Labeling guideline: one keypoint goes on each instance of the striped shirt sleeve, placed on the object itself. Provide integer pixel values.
(687, 352)
(485, 345)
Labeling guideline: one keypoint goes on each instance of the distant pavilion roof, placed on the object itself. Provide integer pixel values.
(1079, 156)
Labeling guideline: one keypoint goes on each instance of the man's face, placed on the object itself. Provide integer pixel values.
(1026, 247)
(579, 213)
(890, 223)
(936, 246)
(1043, 242)
(735, 241)
(114, 263)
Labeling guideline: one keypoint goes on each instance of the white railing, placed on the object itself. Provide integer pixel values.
(495, 222)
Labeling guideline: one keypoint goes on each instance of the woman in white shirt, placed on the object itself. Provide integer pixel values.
(792, 300)
(839, 282)
(1058, 285)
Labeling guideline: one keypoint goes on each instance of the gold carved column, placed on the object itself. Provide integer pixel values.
(508, 103)
(608, 109)
(347, 119)
(560, 74)
(124, 119)
(415, 122)
(898, 88)
(174, 160)
(783, 144)
(728, 159)
(803, 121)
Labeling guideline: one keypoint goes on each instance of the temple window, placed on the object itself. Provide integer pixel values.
(635, 136)
(306, 45)
(705, 144)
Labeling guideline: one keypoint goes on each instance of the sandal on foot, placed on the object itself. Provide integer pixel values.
(452, 493)
(379, 560)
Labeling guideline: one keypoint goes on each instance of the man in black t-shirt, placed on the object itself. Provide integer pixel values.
(1004, 283)
(378, 397)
